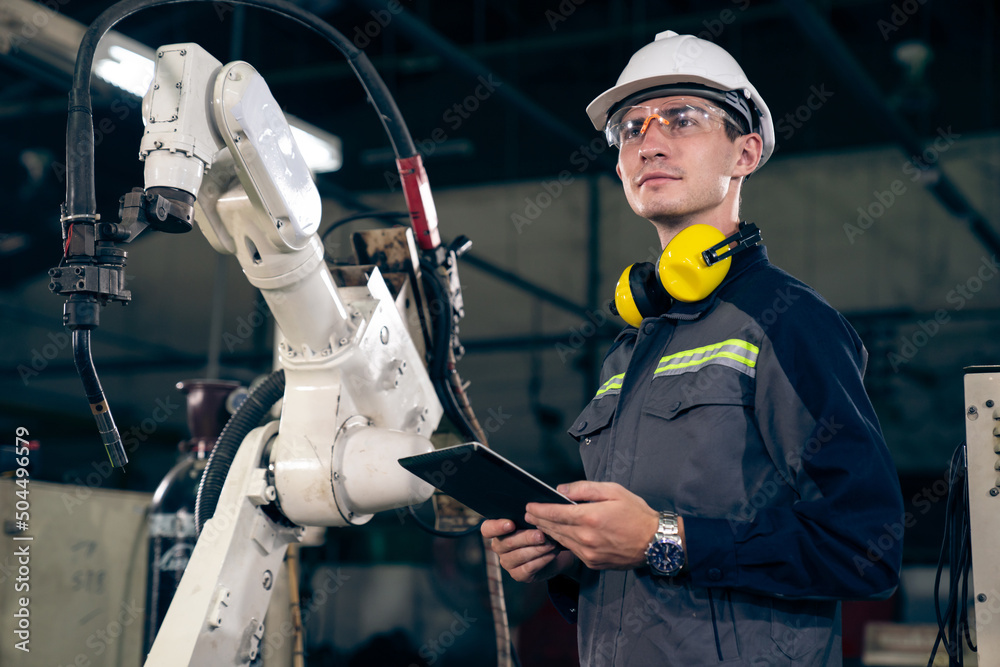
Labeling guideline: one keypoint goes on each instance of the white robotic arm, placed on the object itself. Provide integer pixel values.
(357, 395)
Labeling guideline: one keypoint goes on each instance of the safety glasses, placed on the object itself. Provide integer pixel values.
(681, 117)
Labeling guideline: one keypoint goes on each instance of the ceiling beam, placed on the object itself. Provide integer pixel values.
(831, 48)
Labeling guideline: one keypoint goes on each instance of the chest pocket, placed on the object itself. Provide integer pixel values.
(703, 423)
(672, 396)
(592, 429)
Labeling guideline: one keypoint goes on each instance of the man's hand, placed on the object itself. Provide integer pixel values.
(528, 555)
(609, 530)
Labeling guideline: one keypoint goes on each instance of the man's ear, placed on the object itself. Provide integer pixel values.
(752, 149)
(618, 170)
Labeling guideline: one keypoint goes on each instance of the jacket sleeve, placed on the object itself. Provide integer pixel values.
(842, 535)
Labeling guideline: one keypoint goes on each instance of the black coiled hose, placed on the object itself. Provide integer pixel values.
(244, 420)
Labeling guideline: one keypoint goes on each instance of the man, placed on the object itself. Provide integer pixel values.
(737, 475)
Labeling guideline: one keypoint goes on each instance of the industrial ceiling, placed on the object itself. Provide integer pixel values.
(526, 69)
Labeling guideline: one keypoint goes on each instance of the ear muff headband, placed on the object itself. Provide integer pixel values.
(689, 269)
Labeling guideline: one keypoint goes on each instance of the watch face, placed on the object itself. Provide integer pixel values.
(665, 557)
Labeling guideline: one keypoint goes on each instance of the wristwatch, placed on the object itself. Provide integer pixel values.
(665, 554)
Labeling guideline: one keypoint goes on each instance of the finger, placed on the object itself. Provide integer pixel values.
(589, 491)
(518, 558)
(518, 540)
(553, 512)
(496, 527)
(561, 534)
(528, 571)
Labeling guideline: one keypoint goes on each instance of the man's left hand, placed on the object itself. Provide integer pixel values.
(609, 530)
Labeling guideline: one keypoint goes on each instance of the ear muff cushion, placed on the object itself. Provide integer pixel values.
(638, 294)
(683, 271)
(624, 301)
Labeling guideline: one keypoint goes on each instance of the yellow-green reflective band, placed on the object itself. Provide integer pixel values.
(613, 385)
(734, 353)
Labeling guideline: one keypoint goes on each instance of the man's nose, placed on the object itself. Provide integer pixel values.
(654, 141)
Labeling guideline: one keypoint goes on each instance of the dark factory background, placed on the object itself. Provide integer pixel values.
(884, 195)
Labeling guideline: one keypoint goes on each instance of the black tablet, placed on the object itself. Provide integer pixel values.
(480, 478)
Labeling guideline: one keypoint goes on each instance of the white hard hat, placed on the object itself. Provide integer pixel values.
(672, 60)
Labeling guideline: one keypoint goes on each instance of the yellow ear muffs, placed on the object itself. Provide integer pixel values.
(682, 269)
(692, 265)
(639, 294)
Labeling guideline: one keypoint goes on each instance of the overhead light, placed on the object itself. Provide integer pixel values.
(125, 69)
(122, 62)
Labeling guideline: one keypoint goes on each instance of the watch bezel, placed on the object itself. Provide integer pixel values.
(665, 556)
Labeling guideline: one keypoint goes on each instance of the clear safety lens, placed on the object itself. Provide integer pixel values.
(678, 118)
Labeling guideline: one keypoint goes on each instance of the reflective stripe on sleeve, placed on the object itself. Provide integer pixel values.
(612, 386)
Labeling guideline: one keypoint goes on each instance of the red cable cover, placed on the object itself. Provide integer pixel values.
(417, 191)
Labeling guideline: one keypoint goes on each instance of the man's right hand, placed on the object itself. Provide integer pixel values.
(528, 555)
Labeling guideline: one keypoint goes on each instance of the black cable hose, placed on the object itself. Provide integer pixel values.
(80, 196)
(956, 551)
(439, 371)
(84, 362)
(244, 420)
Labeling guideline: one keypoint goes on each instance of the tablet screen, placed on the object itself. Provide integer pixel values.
(483, 480)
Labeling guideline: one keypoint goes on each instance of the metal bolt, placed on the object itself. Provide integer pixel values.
(343, 341)
(184, 52)
(383, 335)
(989, 403)
(156, 86)
(268, 580)
(981, 597)
(994, 491)
(972, 410)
